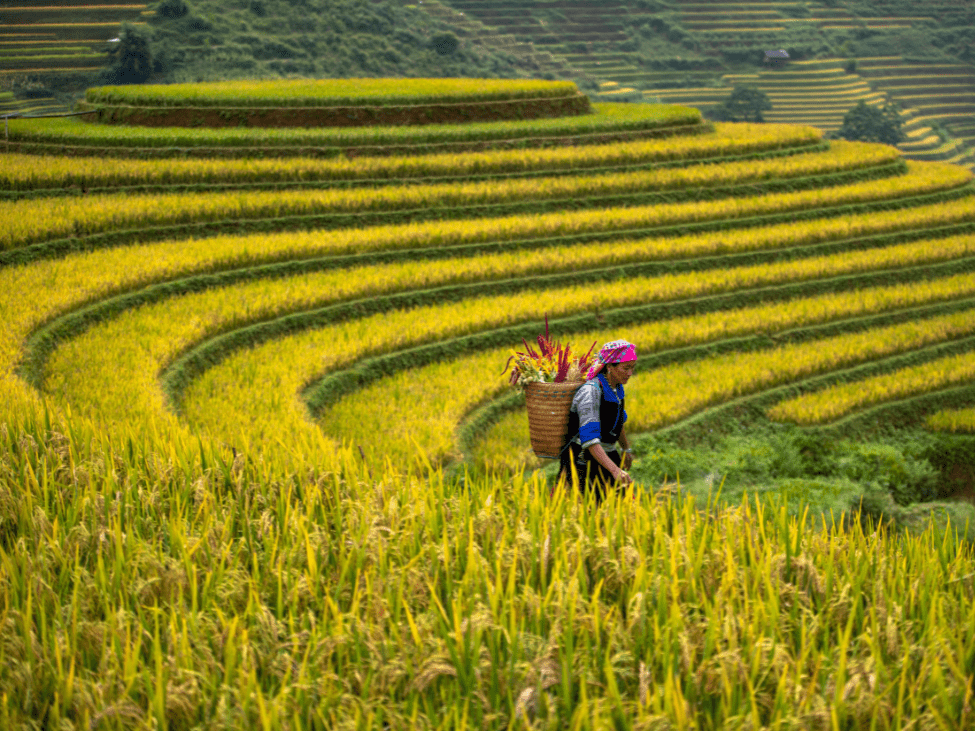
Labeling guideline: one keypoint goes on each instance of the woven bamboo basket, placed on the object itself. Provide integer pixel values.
(548, 415)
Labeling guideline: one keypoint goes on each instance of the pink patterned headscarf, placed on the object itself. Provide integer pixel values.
(617, 351)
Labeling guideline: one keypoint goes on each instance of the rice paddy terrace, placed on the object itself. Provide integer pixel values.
(816, 93)
(820, 92)
(929, 93)
(222, 348)
(595, 41)
(62, 40)
(60, 37)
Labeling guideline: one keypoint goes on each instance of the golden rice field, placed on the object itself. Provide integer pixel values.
(328, 92)
(33, 173)
(832, 403)
(259, 468)
(48, 218)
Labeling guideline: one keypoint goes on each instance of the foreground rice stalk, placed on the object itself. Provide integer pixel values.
(146, 589)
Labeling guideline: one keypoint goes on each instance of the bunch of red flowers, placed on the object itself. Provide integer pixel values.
(550, 363)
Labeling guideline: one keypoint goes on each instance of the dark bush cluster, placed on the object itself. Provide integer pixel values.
(872, 124)
(744, 104)
(172, 9)
(130, 58)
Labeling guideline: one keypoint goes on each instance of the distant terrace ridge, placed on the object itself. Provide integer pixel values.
(311, 104)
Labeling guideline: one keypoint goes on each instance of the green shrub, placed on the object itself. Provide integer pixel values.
(829, 494)
(444, 43)
(770, 456)
(906, 477)
(953, 456)
(876, 507)
(745, 104)
(787, 458)
(666, 463)
(872, 124)
(130, 60)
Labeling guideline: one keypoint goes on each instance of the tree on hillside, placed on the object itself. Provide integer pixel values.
(745, 104)
(129, 56)
(872, 124)
(173, 9)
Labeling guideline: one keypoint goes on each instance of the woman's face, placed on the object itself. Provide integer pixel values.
(621, 372)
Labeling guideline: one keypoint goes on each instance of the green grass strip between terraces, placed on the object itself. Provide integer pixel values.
(332, 141)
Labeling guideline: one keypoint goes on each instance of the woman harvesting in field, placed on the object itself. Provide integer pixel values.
(596, 423)
(576, 409)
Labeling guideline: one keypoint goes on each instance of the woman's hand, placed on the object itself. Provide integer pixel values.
(623, 477)
(627, 460)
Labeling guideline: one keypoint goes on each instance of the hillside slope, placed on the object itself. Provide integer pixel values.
(695, 52)
(65, 49)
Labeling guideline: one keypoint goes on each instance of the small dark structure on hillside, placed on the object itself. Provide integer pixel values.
(776, 58)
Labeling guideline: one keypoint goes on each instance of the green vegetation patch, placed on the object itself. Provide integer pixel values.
(827, 473)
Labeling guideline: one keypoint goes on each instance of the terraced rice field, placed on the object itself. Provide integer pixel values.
(587, 37)
(930, 93)
(819, 93)
(816, 93)
(579, 38)
(487, 225)
(230, 389)
(641, 200)
(729, 21)
(60, 39)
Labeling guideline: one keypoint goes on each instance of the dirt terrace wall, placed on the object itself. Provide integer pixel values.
(491, 111)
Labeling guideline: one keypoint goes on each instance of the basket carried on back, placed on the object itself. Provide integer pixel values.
(548, 415)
